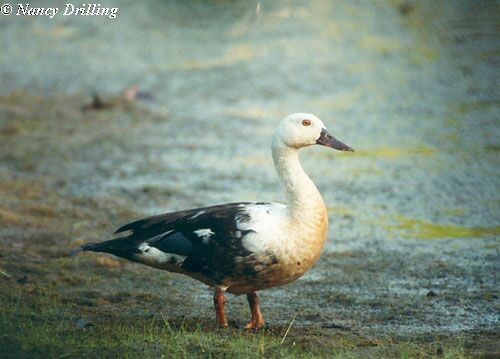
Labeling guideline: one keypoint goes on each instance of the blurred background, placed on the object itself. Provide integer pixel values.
(172, 104)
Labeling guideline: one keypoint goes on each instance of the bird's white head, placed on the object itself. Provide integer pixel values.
(305, 129)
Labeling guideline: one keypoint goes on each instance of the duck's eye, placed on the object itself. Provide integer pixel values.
(306, 122)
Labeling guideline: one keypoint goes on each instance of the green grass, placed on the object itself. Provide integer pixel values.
(36, 323)
(42, 326)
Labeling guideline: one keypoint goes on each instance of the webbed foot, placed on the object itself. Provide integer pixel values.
(257, 320)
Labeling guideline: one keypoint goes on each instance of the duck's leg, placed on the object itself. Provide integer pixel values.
(220, 315)
(257, 320)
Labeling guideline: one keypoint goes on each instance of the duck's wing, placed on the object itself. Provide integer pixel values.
(202, 240)
(178, 232)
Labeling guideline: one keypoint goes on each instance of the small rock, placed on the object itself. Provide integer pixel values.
(431, 293)
(22, 280)
(82, 323)
(406, 8)
(97, 104)
(334, 326)
(442, 262)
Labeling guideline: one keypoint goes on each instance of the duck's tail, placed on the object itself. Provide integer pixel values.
(94, 247)
(120, 247)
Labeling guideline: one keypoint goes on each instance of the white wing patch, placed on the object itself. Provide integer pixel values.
(204, 234)
(267, 223)
(153, 256)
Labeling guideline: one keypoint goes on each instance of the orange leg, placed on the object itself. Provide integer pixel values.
(220, 315)
(257, 320)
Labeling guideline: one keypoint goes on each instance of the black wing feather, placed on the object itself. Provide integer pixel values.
(155, 225)
(175, 243)
(175, 233)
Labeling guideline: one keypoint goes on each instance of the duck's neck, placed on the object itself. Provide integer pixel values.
(303, 198)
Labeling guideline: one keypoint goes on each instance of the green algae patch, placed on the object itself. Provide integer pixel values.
(415, 228)
(236, 54)
(453, 211)
(492, 148)
(468, 107)
(393, 152)
(340, 211)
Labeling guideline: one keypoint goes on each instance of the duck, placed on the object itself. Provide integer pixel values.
(241, 247)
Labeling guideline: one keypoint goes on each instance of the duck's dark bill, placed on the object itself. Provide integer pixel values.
(325, 139)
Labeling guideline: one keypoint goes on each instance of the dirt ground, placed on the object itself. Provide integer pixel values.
(436, 293)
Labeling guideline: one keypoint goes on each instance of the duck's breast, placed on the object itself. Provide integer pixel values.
(279, 250)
